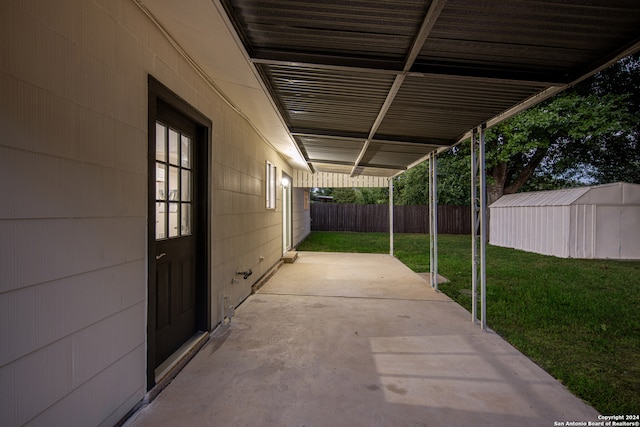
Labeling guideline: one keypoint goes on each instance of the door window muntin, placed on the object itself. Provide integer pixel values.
(174, 182)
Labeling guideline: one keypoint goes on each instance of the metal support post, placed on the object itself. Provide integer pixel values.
(391, 252)
(483, 230)
(433, 221)
(474, 226)
(478, 226)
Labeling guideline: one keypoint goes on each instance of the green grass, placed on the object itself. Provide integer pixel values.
(578, 319)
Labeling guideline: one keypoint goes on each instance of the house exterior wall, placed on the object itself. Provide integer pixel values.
(301, 215)
(73, 210)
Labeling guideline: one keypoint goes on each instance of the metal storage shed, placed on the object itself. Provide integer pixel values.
(588, 222)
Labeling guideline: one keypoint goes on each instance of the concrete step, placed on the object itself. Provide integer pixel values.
(290, 257)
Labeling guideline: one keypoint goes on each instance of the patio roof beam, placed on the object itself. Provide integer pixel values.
(477, 73)
(331, 162)
(418, 42)
(383, 111)
(325, 62)
(334, 137)
(384, 67)
(384, 139)
(382, 166)
(425, 29)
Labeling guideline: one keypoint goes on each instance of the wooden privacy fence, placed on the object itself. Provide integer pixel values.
(375, 218)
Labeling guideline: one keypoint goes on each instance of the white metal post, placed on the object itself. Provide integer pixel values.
(483, 231)
(433, 220)
(474, 226)
(391, 252)
(478, 226)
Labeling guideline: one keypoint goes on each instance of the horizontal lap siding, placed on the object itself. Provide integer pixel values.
(73, 209)
(375, 218)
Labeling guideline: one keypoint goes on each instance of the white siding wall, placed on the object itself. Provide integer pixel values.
(630, 236)
(587, 222)
(617, 232)
(73, 177)
(327, 179)
(301, 216)
(576, 231)
(582, 239)
(540, 229)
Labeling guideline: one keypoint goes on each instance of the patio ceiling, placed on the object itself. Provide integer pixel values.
(372, 87)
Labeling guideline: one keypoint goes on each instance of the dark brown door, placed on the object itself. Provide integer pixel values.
(178, 270)
(175, 248)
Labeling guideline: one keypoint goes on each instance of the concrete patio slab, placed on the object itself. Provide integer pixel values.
(358, 340)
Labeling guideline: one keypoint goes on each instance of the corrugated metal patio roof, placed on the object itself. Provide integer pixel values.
(373, 87)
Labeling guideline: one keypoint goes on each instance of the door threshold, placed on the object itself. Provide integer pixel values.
(174, 363)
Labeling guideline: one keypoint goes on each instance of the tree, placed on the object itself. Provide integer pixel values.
(617, 157)
(344, 195)
(410, 188)
(453, 175)
(556, 137)
(361, 196)
(372, 196)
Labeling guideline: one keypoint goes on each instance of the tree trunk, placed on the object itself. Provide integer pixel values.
(499, 173)
(528, 170)
(494, 192)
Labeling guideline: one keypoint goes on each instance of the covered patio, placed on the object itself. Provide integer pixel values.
(353, 340)
(353, 92)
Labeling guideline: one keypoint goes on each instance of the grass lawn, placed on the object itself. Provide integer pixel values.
(578, 319)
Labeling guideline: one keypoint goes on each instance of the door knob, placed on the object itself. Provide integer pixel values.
(161, 255)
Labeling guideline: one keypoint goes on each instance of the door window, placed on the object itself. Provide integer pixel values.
(174, 183)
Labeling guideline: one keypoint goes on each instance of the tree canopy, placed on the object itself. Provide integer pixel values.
(361, 196)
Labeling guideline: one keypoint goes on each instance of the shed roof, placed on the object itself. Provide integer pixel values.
(619, 193)
(373, 87)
